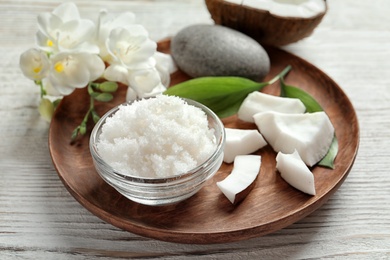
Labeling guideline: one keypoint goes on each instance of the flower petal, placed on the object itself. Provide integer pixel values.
(144, 81)
(116, 73)
(94, 64)
(166, 61)
(43, 42)
(60, 87)
(48, 22)
(67, 12)
(75, 70)
(50, 90)
(131, 95)
(76, 35)
(165, 66)
(107, 22)
(34, 64)
(64, 30)
(131, 46)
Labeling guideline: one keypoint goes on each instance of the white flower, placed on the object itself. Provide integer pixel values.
(64, 30)
(131, 47)
(34, 64)
(51, 91)
(165, 67)
(118, 73)
(73, 52)
(106, 23)
(133, 62)
(145, 82)
(74, 70)
(153, 81)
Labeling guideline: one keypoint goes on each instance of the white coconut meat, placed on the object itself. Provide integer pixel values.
(311, 134)
(241, 142)
(244, 173)
(286, 8)
(295, 172)
(257, 102)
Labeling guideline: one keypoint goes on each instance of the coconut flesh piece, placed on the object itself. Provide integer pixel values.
(286, 8)
(240, 181)
(241, 142)
(295, 172)
(311, 134)
(257, 102)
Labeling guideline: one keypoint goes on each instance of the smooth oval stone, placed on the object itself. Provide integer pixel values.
(214, 50)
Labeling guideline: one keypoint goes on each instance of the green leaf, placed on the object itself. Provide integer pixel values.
(231, 110)
(223, 95)
(103, 97)
(293, 92)
(311, 106)
(328, 160)
(108, 86)
(220, 94)
(210, 87)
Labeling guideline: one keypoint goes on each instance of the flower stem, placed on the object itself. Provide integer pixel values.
(93, 95)
(40, 84)
(82, 128)
(280, 75)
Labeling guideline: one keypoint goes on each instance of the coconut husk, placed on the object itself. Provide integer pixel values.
(263, 26)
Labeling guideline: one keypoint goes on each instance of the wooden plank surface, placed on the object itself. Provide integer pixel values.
(39, 219)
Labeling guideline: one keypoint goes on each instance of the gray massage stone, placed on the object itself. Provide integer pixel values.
(214, 50)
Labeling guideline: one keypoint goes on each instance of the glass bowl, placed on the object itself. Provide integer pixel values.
(161, 191)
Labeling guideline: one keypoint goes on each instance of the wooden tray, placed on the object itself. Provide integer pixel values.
(208, 217)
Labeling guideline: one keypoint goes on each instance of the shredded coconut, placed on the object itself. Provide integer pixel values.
(156, 138)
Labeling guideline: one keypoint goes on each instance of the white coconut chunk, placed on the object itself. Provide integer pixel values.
(239, 182)
(295, 172)
(241, 142)
(311, 134)
(257, 102)
(286, 8)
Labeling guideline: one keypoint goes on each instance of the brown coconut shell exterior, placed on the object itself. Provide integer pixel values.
(266, 28)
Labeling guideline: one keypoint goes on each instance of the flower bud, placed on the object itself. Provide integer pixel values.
(108, 86)
(104, 97)
(46, 109)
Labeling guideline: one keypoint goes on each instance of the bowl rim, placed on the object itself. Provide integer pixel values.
(208, 163)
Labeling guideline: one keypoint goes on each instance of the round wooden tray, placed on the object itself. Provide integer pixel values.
(208, 217)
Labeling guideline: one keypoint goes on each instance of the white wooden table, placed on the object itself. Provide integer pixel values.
(39, 219)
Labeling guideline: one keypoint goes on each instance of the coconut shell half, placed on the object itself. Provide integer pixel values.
(263, 26)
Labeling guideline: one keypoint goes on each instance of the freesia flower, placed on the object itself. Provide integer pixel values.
(132, 61)
(64, 30)
(131, 47)
(154, 81)
(165, 67)
(145, 82)
(34, 64)
(74, 70)
(50, 89)
(106, 23)
(73, 53)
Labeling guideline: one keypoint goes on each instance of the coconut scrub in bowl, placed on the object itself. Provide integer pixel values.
(158, 150)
